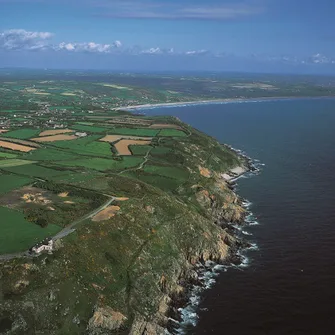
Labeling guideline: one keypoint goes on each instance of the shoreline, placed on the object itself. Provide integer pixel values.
(183, 312)
(216, 102)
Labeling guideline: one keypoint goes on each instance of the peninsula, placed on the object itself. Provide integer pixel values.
(106, 214)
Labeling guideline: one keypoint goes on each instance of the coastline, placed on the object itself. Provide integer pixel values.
(184, 308)
(216, 102)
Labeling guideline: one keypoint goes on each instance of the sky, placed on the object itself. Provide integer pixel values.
(286, 36)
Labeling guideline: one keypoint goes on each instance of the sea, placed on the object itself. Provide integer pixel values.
(286, 284)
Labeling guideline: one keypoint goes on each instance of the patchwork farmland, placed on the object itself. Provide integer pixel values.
(78, 155)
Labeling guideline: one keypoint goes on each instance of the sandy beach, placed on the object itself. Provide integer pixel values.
(213, 101)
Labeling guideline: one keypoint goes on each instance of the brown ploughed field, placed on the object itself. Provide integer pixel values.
(17, 147)
(165, 125)
(114, 138)
(123, 146)
(55, 132)
(55, 138)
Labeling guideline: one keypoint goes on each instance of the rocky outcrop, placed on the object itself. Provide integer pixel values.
(142, 327)
(105, 319)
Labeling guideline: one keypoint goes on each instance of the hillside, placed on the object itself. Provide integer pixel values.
(127, 267)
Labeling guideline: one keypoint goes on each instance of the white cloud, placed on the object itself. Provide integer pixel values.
(320, 59)
(152, 51)
(117, 44)
(197, 52)
(20, 39)
(89, 47)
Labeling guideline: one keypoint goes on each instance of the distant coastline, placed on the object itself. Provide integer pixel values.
(215, 101)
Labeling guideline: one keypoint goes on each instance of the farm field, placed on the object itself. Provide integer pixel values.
(103, 164)
(22, 134)
(134, 131)
(14, 162)
(89, 146)
(123, 146)
(55, 132)
(89, 129)
(55, 138)
(140, 150)
(15, 147)
(7, 155)
(17, 234)
(48, 154)
(172, 133)
(167, 171)
(9, 182)
(164, 126)
(37, 171)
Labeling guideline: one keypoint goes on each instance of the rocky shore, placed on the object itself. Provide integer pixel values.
(203, 264)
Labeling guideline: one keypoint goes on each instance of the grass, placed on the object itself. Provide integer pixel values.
(164, 183)
(103, 164)
(134, 131)
(12, 182)
(17, 234)
(79, 177)
(22, 134)
(139, 150)
(89, 129)
(172, 133)
(48, 154)
(167, 171)
(14, 162)
(86, 146)
(7, 155)
(160, 151)
(34, 170)
(85, 123)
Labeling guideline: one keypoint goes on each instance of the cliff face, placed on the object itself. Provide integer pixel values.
(124, 275)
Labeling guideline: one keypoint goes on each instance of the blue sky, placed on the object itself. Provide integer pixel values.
(237, 35)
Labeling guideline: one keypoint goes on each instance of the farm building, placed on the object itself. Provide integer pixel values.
(45, 245)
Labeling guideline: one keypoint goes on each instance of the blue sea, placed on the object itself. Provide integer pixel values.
(287, 286)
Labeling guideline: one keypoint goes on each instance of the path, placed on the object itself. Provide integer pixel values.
(64, 232)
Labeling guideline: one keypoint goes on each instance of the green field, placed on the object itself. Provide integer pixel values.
(164, 183)
(139, 150)
(103, 164)
(14, 162)
(33, 170)
(89, 129)
(48, 154)
(172, 133)
(85, 123)
(134, 131)
(22, 134)
(7, 155)
(167, 171)
(86, 146)
(78, 177)
(12, 182)
(160, 150)
(17, 234)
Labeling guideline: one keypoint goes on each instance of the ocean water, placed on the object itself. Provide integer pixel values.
(287, 285)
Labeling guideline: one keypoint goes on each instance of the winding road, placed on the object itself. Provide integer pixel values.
(63, 233)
